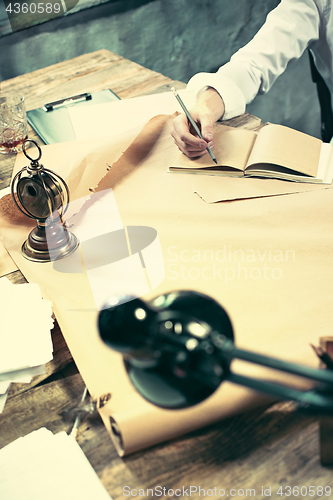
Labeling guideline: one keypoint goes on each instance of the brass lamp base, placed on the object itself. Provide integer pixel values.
(59, 243)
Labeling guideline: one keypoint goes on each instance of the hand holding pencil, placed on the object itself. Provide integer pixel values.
(192, 141)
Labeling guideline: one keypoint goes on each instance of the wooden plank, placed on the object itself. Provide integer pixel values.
(87, 73)
(16, 277)
(35, 85)
(326, 423)
(263, 448)
(51, 83)
(39, 407)
(94, 71)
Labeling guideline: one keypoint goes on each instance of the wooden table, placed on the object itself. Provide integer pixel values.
(269, 447)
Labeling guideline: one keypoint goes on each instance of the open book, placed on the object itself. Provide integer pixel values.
(275, 152)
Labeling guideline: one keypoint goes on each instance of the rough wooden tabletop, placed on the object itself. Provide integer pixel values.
(272, 451)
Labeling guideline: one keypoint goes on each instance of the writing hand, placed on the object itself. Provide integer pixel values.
(207, 110)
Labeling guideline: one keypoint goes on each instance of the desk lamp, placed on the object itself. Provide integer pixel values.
(178, 349)
(43, 195)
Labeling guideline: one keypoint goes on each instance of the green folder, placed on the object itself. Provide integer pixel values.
(52, 122)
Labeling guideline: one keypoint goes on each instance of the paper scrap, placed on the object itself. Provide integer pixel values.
(43, 465)
(214, 189)
(25, 339)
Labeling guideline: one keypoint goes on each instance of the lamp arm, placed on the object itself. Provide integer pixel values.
(230, 351)
(311, 400)
(308, 400)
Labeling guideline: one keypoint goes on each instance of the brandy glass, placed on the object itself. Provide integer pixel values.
(13, 123)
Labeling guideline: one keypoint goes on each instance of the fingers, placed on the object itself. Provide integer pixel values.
(207, 123)
(188, 151)
(181, 132)
(188, 143)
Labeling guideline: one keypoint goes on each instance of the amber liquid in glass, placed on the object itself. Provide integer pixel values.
(13, 146)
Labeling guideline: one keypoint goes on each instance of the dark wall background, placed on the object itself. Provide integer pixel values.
(175, 37)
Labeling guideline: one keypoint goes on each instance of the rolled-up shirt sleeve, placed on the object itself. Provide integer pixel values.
(289, 29)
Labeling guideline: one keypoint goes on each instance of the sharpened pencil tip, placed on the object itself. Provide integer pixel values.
(215, 160)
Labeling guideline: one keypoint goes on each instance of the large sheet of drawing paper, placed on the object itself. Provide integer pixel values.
(267, 260)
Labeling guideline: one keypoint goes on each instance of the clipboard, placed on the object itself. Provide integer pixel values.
(52, 122)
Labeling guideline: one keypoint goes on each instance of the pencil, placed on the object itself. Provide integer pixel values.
(194, 125)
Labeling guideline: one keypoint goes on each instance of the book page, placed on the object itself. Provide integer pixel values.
(286, 147)
(232, 149)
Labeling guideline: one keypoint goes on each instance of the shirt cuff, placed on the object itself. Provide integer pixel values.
(232, 96)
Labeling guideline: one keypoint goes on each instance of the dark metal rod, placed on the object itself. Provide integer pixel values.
(325, 376)
(307, 400)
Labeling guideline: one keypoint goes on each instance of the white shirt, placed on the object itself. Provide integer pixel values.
(291, 28)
